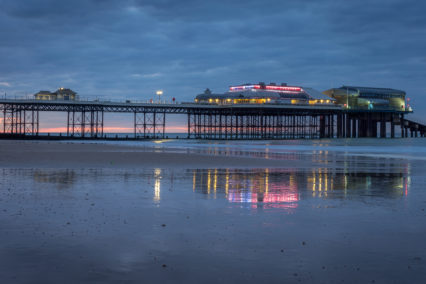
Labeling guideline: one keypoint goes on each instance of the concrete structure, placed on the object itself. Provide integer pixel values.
(59, 94)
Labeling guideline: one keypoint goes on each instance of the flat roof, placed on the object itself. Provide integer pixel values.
(372, 89)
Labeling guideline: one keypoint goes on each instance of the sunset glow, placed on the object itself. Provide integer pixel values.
(170, 129)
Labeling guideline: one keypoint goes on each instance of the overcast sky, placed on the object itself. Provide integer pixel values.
(128, 49)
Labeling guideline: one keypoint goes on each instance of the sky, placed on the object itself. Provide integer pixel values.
(128, 49)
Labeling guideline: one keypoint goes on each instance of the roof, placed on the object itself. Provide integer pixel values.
(65, 91)
(249, 94)
(317, 94)
(211, 95)
(373, 90)
(44, 93)
(58, 91)
(306, 93)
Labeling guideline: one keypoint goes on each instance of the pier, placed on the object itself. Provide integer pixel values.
(85, 119)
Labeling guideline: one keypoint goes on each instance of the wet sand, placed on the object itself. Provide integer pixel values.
(96, 213)
(53, 154)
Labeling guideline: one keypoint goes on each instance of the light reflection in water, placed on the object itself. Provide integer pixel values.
(251, 186)
(208, 181)
(215, 183)
(157, 185)
(284, 188)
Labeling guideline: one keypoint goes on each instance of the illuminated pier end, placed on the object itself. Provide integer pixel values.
(265, 94)
(363, 108)
(248, 111)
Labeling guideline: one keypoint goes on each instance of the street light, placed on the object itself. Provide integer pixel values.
(159, 93)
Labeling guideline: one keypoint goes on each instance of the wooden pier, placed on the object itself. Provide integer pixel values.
(85, 119)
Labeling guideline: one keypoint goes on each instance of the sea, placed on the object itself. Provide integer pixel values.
(334, 211)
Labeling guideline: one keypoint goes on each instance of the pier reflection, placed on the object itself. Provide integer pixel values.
(60, 178)
(256, 188)
(66, 178)
(284, 188)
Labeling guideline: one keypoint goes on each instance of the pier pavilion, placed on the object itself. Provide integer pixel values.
(59, 94)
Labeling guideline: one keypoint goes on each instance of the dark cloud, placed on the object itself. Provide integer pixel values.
(131, 48)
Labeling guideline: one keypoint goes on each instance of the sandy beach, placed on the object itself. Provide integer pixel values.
(212, 212)
(53, 154)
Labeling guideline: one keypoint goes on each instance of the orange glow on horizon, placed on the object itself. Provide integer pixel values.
(108, 129)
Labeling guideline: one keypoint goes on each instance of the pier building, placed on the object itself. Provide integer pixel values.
(59, 94)
(367, 98)
(265, 94)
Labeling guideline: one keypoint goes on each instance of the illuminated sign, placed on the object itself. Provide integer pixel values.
(241, 88)
(283, 88)
(267, 88)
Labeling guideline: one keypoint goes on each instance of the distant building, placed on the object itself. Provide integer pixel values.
(262, 93)
(60, 94)
(45, 95)
(366, 98)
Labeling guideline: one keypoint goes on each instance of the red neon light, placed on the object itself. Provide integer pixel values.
(282, 88)
(269, 88)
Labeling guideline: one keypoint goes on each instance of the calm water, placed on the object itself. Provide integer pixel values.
(357, 216)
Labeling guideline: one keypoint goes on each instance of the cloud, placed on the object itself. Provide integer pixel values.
(152, 75)
(5, 84)
(130, 48)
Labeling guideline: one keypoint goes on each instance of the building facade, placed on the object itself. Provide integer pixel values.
(367, 98)
(60, 94)
(264, 94)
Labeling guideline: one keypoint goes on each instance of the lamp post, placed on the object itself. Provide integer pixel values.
(159, 93)
(347, 98)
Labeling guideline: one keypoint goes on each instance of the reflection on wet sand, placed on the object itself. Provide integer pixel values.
(282, 188)
(61, 178)
(157, 185)
(273, 187)
(285, 187)
(66, 178)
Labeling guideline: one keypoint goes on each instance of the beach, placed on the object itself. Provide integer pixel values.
(343, 211)
(98, 155)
